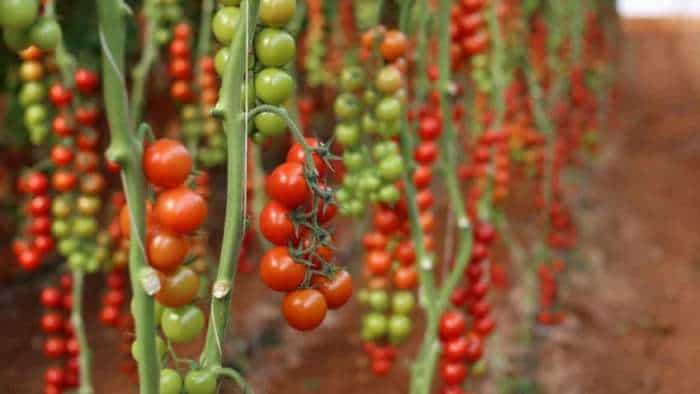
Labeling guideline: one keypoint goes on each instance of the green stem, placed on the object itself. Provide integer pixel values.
(149, 55)
(235, 376)
(234, 225)
(76, 318)
(126, 150)
(496, 64)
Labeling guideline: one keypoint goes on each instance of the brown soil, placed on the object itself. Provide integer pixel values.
(632, 303)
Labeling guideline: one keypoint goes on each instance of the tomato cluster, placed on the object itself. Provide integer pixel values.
(180, 67)
(24, 26)
(33, 95)
(468, 31)
(293, 220)
(37, 241)
(547, 275)
(60, 343)
(169, 13)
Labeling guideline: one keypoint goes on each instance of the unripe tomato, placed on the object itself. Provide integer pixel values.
(276, 13)
(170, 381)
(279, 271)
(167, 250)
(183, 324)
(200, 382)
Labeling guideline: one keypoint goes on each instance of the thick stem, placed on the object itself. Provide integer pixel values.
(236, 138)
(76, 317)
(126, 150)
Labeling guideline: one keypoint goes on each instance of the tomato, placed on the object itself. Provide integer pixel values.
(225, 24)
(426, 152)
(381, 367)
(43, 244)
(274, 47)
(378, 300)
(181, 91)
(270, 124)
(62, 127)
(109, 315)
(430, 128)
(92, 183)
(348, 134)
(296, 154)
(183, 324)
(422, 176)
(167, 250)
(378, 262)
(304, 309)
(276, 13)
(19, 14)
(167, 163)
(347, 107)
(54, 347)
(403, 302)
(287, 185)
(452, 325)
(52, 322)
(200, 382)
(32, 93)
(86, 80)
(64, 181)
(484, 326)
(352, 79)
(374, 240)
(54, 376)
(485, 233)
(170, 381)
(273, 85)
(337, 291)
(391, 168)
(374, 326)
(388, 80)
(136, 348)
(398, 328)
(29, 259)
(61, 155)
(87, 115)
(276, 225)
(181, 210)
(179, 288)
(50, 297)
(46, 33)
(406, 278)
(393, 45)
(279, 271)
(456, 349)
(453, 373)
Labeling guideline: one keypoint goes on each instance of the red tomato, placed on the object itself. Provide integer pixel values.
(336, 291)
(167, 163)
(296, 154)
(279, 271)
(304, 309)
(287, 185)
(276, 225)
(453, 373)
(452, 325)
(167, 250)
(181, 210)
(378, 262)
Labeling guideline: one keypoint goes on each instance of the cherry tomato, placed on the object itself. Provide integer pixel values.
(304, 309)
(167, 163)
(452, 325)
(50, 297)
(183, 324)
(378, 262)
(225, 24)
(200, 382)
(181, 210)
(287, 185)
(276, 225)
(296, 154)
(453, 373)
(179, 288)
(337, 291)
(276, 13)
(274, 47)
(170, 382)
(279, 271)
(393, 45)
(167, 250)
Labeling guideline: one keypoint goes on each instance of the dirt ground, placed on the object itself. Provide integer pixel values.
(633, 326)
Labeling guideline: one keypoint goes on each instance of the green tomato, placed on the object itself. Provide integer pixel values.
(89, 205)
(354, 207)
(274, 47)
(191, 128)
(136, 349)
(225, 24)
(374, 325)
(19, 14)
(389, 194)
(46, 34)
(77, 260)
(388, 80)
(16, 39)
(403, 302)
(32, 93)
(84, 226)
(60, 228)
(389, 129)
(273, 86)
(200, 382)
(368, 183)
(183, 324)
(248, 93)
(162, 36)
(370, 97)
(388, 109)
(217, 141)
(67, 246)
(399, 328)
(220, 60)
(38, 134)
(170, 382)
(276, 13)
(378, 300)
(363, 296)
(369, 124)
(391, 168)
(348, 134)
(347, 107)
(384, 149)
(352, 79)
(172, 13)
(270, 124)
(61, 208)
(35, 115)
(353, 160)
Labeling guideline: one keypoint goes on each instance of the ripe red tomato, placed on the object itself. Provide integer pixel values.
(61, 155)
(426, 152)
(276, 225)
(167, 163)
(59, 95)
(29, 259)
(167, 250)
(50, 297)
(287, 185)
(62, 126)
(296, 154)
(452, 325)
(336, 291)
(456, 349)
(37, 183)
(386, 221)
(109, 315)
(381, 366)
(180, 210)
(54, 347)
(378, 262)
(304, 309)
(393, 45)
(86, 81)
(279, 271)
(406, 278)
(64, 180)
(453, 373)
(422, 176)
(52, 322)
